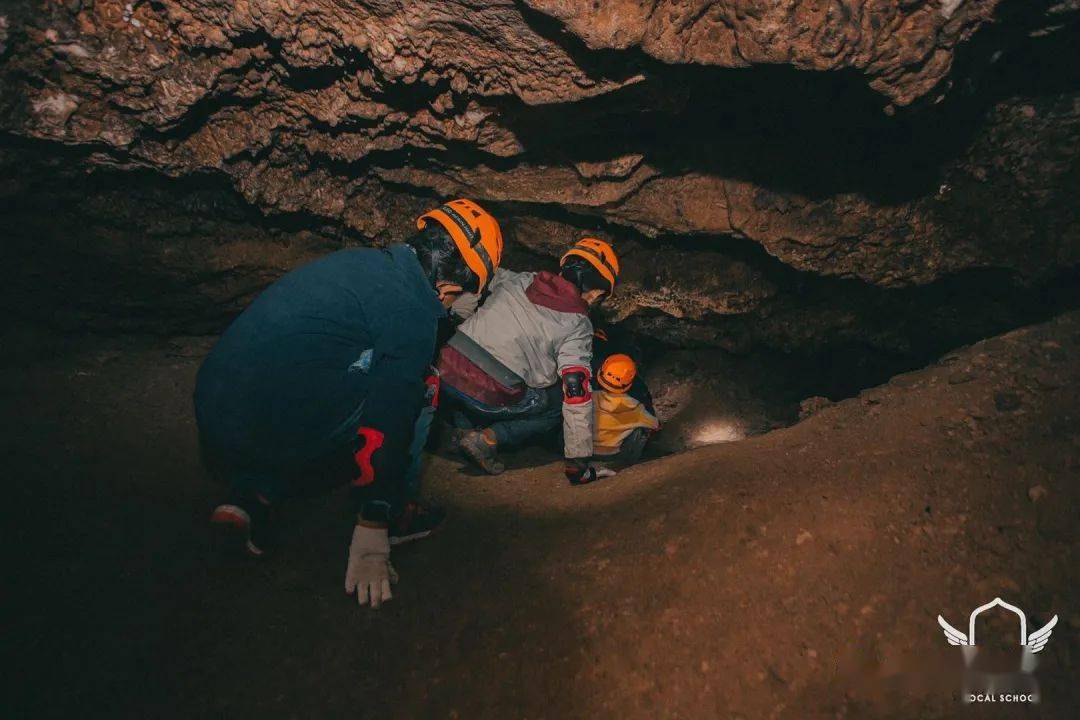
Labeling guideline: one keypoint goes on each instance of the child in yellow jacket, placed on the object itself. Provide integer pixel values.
(623, 423)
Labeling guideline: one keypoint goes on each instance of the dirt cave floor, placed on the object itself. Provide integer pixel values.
(795, 574)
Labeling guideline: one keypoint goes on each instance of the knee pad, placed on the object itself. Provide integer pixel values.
(576, 388)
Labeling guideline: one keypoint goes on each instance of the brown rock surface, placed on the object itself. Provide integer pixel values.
(628, 120)
(796, 574)
(903, 48)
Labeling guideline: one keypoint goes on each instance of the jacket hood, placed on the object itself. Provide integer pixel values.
(557, 293)
(404, 257)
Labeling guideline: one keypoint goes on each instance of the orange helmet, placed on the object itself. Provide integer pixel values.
(599, 254)
(617, 373)
(475, 232)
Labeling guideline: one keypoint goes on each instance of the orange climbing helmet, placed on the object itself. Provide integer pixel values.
(599, 254)
(617, 373)
(475, 232)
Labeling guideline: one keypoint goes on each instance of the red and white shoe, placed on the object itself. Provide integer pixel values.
(244, 521)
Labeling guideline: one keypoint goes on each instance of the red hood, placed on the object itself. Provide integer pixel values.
(554, 291)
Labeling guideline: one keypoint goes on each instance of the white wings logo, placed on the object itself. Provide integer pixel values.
(1032, 643)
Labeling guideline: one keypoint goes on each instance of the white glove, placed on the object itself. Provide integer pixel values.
(604, 472)
(370, 573)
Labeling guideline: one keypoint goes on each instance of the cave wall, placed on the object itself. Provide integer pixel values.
(779, 173)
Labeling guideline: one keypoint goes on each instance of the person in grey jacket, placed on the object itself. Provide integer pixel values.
(523, 360)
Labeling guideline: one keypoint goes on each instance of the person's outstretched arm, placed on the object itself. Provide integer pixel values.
(396, 395)
(575, 362)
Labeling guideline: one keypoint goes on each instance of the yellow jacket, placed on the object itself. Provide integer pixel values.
(616, 417)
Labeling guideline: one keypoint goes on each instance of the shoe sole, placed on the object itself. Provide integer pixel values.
(402, 539)
(234, 527)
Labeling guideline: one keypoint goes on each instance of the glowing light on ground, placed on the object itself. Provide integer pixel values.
(717, 431)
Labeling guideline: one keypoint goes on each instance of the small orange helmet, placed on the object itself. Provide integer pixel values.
(617, 374)
(475, 232)
(599, 254)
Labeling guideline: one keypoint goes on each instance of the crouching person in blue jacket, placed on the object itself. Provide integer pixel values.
(322, 379)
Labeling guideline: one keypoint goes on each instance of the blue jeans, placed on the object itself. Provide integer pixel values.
(421, 430)
(538, 412)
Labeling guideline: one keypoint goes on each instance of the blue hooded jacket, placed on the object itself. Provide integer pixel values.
(337, 344)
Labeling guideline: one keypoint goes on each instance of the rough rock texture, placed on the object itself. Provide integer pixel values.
(903, 48)
(736, 151)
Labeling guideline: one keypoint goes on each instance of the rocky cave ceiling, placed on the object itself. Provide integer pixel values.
(773, 171)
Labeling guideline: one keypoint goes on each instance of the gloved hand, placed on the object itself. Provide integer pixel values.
(369, 572)
(580, 471)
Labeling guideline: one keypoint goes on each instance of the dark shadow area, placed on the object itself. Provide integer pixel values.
(150, 252)
(126, 608)
(857, 335)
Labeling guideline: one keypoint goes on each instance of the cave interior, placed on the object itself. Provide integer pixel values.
(794, 233)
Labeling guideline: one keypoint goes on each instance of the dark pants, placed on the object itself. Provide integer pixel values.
(283, 481)
(318, 475)
(630, 450)
(537, 413)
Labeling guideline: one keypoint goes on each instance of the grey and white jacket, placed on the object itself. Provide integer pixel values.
(537, 325)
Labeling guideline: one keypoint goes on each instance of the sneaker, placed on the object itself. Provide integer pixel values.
(244, 521)
(415, 522)
(480, 447)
